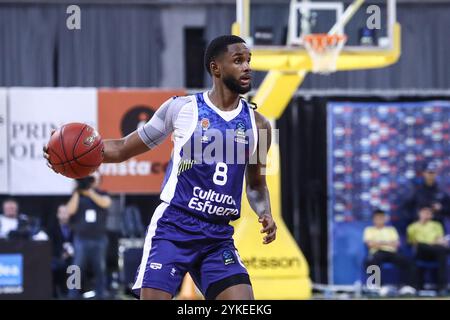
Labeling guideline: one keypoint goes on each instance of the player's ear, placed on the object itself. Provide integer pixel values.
(215, 69)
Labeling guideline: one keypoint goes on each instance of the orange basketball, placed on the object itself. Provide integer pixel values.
(75, 150)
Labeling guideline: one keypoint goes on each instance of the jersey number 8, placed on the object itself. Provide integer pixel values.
(220, 175)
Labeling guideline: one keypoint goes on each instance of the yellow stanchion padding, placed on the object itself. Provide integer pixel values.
(276, 91)
(277, 270)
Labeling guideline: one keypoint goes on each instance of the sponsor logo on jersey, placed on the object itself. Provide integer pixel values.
(205, 139)
(211, 202)
(185, 165)
(240, 140)
(155, 266)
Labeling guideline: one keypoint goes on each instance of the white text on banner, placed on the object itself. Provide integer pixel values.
(33, 114)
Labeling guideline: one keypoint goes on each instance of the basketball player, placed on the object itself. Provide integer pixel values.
(190, 230)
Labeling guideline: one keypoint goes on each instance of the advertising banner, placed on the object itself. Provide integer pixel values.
(377, 152)
(33, 113)
(121, 112)
(11, 273)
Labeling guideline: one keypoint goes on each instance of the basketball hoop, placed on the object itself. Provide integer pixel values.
(324, 50)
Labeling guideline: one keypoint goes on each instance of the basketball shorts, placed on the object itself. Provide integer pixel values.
(177, 242)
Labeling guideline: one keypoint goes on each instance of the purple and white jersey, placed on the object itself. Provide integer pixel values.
(211, 150)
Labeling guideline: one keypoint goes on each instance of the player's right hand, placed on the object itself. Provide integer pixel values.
(46, 155)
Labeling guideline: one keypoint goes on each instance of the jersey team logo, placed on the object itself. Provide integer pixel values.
(205, 124)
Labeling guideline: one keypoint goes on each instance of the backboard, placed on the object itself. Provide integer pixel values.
(281, 24)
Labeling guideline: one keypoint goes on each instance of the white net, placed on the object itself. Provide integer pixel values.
(324, 50)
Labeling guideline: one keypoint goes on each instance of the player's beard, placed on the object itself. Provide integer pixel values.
(234, 85)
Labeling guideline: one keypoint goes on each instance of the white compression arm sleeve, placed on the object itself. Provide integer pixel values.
(163, 122)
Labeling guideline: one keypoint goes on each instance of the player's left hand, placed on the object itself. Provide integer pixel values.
(269, 227)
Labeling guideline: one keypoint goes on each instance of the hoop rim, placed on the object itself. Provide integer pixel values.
(330, 38)
(324, 50)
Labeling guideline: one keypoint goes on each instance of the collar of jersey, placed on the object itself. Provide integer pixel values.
(225, 115)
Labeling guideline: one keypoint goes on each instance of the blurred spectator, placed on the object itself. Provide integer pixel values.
(383, 243)
(63, 251)
(10, 218)
(428, 193)
(428, 239)
(88, 210)
(15, 225)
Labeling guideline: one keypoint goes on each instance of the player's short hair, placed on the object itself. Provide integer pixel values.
(430, 167)
(218, 46)
(425, 207)
(10, 199)
(377, 212)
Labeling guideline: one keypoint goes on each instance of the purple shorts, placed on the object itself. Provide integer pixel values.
(177, 242)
